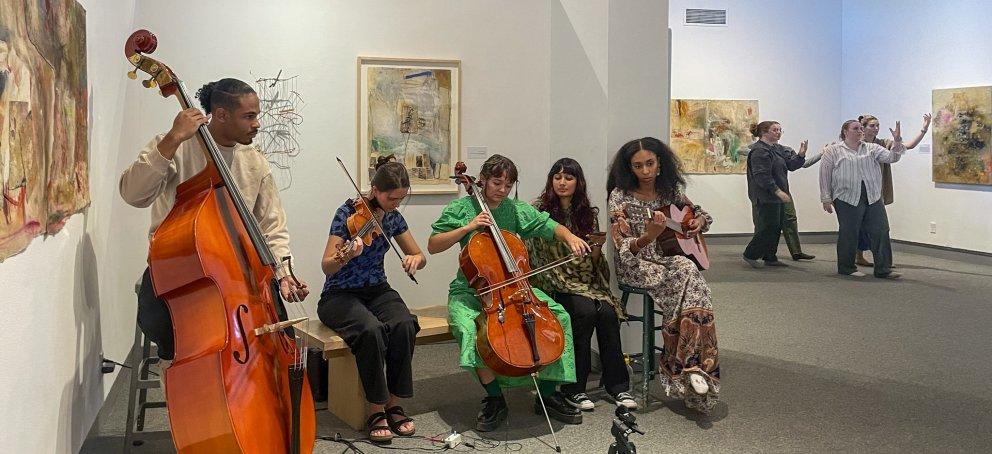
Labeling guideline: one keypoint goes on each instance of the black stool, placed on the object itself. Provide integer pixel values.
(141, 358)
(647, 358)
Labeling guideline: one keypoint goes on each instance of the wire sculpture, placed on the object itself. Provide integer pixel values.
(280, 117)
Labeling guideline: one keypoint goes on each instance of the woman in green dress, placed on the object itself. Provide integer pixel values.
(459, 220)
(582, 286)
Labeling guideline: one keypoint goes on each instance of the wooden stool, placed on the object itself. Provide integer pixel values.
(647, 358)
(345, 395)
(140, 358)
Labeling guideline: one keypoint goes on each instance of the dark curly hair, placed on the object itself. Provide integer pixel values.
(223, 93)
(582, 215)
(669, 182)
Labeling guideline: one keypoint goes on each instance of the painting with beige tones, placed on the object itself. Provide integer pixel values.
(44, 174)
(408, 109)
(962, 135)
(711, 136)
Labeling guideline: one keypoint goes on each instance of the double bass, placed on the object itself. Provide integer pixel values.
(238, 382)
(517, 334)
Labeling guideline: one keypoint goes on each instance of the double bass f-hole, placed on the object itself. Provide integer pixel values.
(244, 337)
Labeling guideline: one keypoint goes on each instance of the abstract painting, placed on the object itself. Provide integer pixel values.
(44, 170)
(962, 135)
(44, 173)
(711, 136)
(409, 109)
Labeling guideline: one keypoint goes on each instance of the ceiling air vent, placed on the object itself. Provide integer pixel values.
(709, 17)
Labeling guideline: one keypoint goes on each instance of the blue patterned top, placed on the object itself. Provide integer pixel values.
(365, 270)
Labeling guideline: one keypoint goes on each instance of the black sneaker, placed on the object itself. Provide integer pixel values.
(493, 414)
(558, 409)
(580, 401)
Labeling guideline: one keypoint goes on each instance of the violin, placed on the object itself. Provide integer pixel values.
(516, 333)
(360, 228)
(238, 382)
(364, 225)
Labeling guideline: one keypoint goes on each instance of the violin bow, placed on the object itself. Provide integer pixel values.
(385, 235)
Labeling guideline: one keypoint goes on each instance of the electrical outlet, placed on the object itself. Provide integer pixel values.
(933, 227)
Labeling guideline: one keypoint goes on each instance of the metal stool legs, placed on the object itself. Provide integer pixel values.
(647, 358)
(137, 402)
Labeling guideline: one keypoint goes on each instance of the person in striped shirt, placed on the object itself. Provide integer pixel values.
(851, 185)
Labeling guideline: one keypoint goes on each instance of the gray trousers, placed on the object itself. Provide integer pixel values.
(852, 220)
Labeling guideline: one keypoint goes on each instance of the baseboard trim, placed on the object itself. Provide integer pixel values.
(831, 238)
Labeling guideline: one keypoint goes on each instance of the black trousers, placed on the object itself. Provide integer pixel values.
(381, 332)
(767, 230)
(155, 320)
(588, 315)
(863, 217)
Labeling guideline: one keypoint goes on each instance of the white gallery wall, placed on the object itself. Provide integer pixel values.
(530, 71)
(62, 298)
(895, 54)
(787, 55)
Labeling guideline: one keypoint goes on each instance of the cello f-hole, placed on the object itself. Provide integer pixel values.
(244, 337)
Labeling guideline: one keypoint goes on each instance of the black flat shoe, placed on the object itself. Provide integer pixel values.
(776, 263)
(558, 409)
(493, 414)
(802, 256)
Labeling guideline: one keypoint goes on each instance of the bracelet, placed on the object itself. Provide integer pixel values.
(636, 242)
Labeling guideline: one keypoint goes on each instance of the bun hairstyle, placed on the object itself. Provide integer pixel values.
(846, 124)
(865, 119)
(222, 93)
(758, 129)
(389, 174)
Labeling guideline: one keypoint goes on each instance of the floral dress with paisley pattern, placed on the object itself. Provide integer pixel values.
(682, 295)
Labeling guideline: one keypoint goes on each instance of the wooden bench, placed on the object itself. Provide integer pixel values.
(345, 395)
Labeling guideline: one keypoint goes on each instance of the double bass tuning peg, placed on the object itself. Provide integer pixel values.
(150, 83)
(132, 74)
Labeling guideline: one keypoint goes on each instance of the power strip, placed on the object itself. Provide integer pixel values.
(453, 440)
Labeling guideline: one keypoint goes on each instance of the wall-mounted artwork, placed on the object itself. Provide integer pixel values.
(281, 117)
(409, 109)
(44, 173)
(962, 135)
(711, 136)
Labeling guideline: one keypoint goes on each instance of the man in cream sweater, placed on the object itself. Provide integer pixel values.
(169, 159)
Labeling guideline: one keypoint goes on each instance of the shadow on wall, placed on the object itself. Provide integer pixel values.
(82, 396)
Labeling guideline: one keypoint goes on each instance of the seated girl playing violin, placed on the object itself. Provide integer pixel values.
(364, 310)
(458, 222)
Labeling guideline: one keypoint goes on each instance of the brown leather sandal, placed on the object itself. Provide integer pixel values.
(395, 425)
(373, 425)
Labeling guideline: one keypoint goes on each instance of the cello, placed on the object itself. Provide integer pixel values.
(517, 334)
(237, 383)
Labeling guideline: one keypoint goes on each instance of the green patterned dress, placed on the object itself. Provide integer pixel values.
(463, 304)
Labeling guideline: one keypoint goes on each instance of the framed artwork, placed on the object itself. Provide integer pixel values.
(410, 109)
(711, 136)
(44, 155)
(962, 135)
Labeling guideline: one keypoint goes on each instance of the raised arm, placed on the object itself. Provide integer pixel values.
(145, 179)
(923, 132)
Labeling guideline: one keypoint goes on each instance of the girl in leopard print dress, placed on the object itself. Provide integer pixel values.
(646, 173)
(582, 286)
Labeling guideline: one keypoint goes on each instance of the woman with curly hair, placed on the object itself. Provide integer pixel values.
(646, 173)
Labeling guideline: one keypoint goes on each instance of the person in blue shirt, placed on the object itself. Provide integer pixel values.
(358, 303)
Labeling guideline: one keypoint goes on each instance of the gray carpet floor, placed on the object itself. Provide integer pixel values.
(811, 362)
